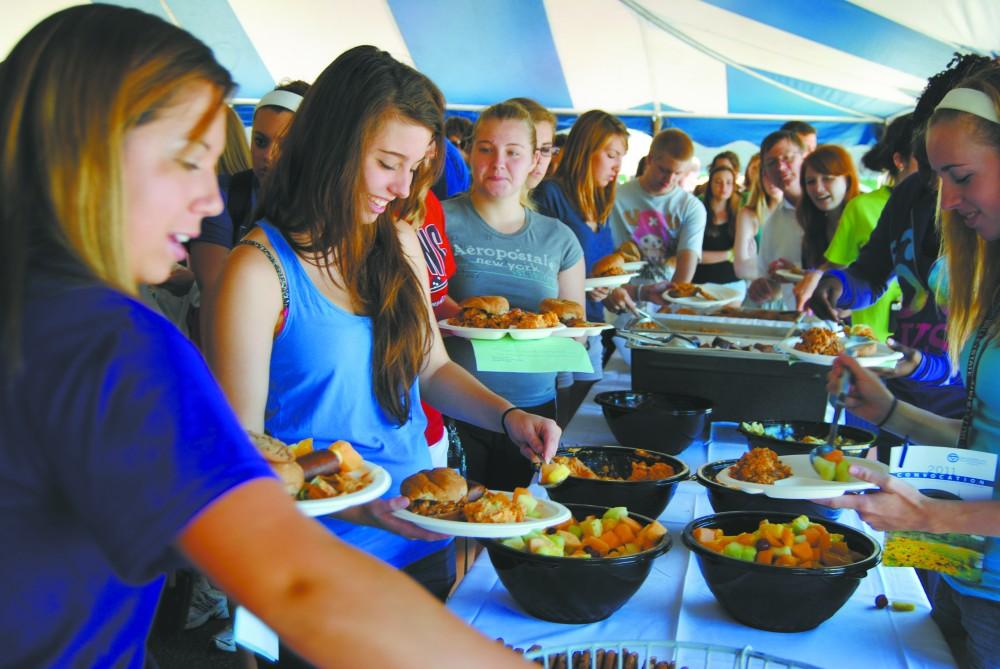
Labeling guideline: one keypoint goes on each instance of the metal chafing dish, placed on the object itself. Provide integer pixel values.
(741, 383)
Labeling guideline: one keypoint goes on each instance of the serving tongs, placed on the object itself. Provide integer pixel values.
(657, 338)
(851, 343)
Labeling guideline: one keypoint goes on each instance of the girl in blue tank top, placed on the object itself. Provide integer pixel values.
(323, 326)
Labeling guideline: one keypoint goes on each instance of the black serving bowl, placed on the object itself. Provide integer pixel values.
(661, 422)
(800, 429)
(723, 498)
(573, 590)
(779, 599)
(647, 498)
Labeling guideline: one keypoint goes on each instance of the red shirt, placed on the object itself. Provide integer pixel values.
(440, 266)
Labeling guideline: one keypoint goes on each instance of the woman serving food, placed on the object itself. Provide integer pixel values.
(324, 326)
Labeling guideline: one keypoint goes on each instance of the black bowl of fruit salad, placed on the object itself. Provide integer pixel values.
(642, 481)
(583, 570)
(778, 571)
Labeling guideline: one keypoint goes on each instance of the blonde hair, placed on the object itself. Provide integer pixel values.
(236, 156)
(586, 138)
(508, 111)
(73, 87)
(973, 287)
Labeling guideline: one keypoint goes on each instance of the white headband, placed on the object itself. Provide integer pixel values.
(284, 99)
(970, 101)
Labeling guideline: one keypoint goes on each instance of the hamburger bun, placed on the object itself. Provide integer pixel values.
(491, 304)
(438, 493)
(291, 474)
(609, 265)
(565, 310)
(273, 450)
(630, 251)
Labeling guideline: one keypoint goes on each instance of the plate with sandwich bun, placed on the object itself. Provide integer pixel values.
(821, 346)
(571, 314)
(701, 297)
(442, 501)
(324, 480)
(491, 317)
(608, 272)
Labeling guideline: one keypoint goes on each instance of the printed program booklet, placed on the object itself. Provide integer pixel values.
(944, 473)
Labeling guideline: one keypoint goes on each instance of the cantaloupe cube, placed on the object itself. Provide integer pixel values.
(651, 534)
(596, 544)
(611, 539)
(632, 523)
(624, 532)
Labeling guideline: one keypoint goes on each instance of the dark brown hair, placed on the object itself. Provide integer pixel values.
(315, 199)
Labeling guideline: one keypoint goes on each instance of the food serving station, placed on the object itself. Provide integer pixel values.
(675, 603)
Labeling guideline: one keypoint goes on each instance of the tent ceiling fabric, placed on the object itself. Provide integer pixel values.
(722, 69)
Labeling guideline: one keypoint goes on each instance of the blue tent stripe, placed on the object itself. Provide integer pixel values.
(719, 132)
(858, 103)
(467, 49)
(750, 95)
(849, 28)
(214, 22)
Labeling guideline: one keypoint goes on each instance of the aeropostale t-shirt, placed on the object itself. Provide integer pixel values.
(524, 267)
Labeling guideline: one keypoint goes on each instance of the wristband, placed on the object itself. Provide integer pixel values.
(503, 422)
(892, 409)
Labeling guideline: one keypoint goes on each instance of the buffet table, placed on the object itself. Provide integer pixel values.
(676, 604)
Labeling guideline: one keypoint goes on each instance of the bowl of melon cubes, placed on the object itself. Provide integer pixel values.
(777, 571)
(583, 570)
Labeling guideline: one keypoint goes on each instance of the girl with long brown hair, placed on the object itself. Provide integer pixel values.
(324, 326)
(722, 201)
(119, 452)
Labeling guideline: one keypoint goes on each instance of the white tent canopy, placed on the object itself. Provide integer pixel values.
(722, 70)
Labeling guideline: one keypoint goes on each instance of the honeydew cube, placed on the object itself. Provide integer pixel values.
(592, 527)
(616, 512)
(517, 543)
(571, 542)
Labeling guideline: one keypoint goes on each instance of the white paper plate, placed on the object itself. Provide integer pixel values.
(608, 281)
(789, 276)
(725, 295)
(634, 266)
(804, 483)
(374, 490)
(552, 513)
(583, 331)
(498, 333)
(883, 356)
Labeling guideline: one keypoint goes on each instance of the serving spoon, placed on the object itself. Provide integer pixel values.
(851, 344)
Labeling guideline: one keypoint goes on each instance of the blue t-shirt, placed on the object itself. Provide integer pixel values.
(320, 386)
(984, 435)
(455, 178)
(524, 267)
(114, 436)
(551, 200)
(219, 229)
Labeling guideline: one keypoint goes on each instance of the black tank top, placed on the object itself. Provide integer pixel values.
(718, 238)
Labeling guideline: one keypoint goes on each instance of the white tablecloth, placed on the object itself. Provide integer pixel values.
(676, 604)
